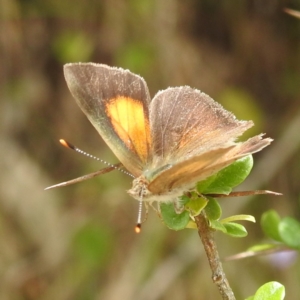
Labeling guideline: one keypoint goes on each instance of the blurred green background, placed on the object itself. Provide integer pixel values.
(78, 242)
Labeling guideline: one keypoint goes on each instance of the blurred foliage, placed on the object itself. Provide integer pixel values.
(72, 47)
(78, 242)
(242, 104)
(285, 231)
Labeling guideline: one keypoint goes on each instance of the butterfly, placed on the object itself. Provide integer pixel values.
(169, 143)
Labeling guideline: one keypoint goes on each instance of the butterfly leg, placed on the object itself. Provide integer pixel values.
(155, 208)
(146, 212)
(178, 206)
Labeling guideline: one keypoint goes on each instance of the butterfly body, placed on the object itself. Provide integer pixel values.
(168, 144)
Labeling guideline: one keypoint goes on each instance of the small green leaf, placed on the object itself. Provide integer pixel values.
(184, 199)
(214, 224)
(262, 247)
(270, 291)
(269, 222)
(228, 178)
(172, 219)
(195, 205)
(289, 230)
(191, 224)
(213, 209)
(248, 218)
(235, 230)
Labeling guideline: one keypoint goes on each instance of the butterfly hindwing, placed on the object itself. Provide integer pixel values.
(184, 175)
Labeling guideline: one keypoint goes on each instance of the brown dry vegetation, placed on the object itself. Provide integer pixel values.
(78, 242)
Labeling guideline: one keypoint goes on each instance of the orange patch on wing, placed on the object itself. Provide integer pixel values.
(130, 124)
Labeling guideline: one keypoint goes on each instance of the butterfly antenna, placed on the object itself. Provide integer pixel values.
(139, 219)
(72, 147)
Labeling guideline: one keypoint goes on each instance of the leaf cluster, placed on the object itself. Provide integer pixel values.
(195, 201)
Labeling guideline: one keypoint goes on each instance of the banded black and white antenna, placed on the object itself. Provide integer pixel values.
(110, 167)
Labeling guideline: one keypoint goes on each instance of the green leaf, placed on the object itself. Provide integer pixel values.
(202, 186)
(289, 230)
(228, 178)
(234, 218)
(196, 205)
(191, 224)
(217, 226)
(269, 222)
(235, 230)
(213, 210)
(172, 219)
(184, 199)
(270, 291)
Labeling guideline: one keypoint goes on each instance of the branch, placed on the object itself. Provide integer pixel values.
(218, 276)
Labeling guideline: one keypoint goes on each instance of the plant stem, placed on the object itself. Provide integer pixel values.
(218, 276)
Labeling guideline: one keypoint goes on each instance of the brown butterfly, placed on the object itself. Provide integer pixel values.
(169, 143)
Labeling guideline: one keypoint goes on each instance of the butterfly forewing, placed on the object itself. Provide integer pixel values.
(116, 102)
